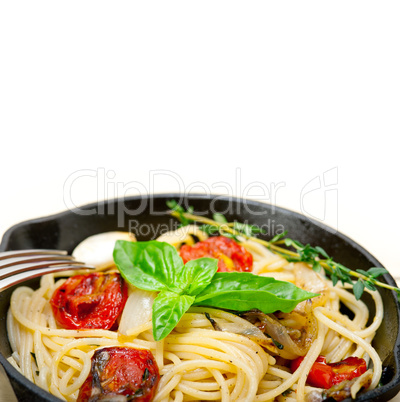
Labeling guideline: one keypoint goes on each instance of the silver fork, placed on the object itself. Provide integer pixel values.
(20, 265)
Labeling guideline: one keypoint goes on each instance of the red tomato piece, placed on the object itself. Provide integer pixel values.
(321, 375)
(348, 369)
(325, 375)
(89, 301)
(231, 256)
(120, 371)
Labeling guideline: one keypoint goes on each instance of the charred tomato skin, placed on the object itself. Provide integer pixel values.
(325, 375)
(348, 369)
(121, 371)
(90, 301)
(231, 255)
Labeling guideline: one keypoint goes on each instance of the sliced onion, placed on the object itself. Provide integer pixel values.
(270, 325)
(309, 280)
(246, 328)
(182, 235)
(98, 249)
(137, 311)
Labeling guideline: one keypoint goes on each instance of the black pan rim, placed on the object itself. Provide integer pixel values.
(392, 387)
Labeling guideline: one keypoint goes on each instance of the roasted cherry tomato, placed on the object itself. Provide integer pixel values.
(325, 375)
(89, 301)
(120, 372)
(348, 369)
(231, 256)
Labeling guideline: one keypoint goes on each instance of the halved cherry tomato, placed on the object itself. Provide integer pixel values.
(120, 371)
(231, 256)
(325, 375)
(348, 369)
(89, 301)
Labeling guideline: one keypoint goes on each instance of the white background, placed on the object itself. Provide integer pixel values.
(294, 103)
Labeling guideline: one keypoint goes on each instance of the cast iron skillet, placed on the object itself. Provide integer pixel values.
(147, 218)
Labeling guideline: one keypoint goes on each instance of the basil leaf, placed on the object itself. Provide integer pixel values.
(243, 291)
(168, 309)
(150, 265)
(197, 275)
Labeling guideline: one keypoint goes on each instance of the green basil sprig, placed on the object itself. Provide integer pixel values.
(243, 291)
(157, 266)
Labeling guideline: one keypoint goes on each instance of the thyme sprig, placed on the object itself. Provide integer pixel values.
(315, 257)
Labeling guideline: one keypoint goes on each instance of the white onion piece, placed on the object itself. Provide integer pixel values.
(98, 249)
(181, 235)
(309, 280)
(137, 311)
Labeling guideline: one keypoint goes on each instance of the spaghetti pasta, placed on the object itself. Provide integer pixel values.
(196, 362)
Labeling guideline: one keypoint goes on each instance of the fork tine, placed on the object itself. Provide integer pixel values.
(9, 262)
(26, 267)
(20, 253)
(22, 276)
(17, 266)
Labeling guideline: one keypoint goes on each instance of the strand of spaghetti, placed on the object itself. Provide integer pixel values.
(379, 312)
(16, 357)
(63, 383)
(239, 384)
(12, 331)
(79, 380)
(309, 361)
(185, 366)
(292, 378)
(261, 366)
(178, 396)
(254, 361)
(27, 347)
(319, 312)
(223, 384)
(39, 351)
(357, 306)
(342, 350)
(265, 358)
(343, 319)
(137, 330)
(159, 354)
(50, 319)
(144, 344)
(279, 373)
(55, 391)
(360, 352)
(234, 338)
(235, 364)
(198, 394)
(86, 364)
(198, 374)
(166, 388)
(230, 355)
(69, 361)
(269, 384)
(12, 361)
(202, 386)
(331, 342)
(173, 357)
